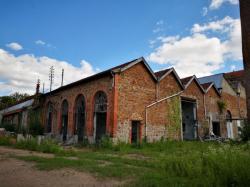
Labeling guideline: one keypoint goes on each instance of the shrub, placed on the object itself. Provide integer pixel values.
(8, 127)
(46, 146)
(30, 144)
(222, 106)
(5, 140)
(105, 142)
(36, 129)
(245, 132)
(49, 146)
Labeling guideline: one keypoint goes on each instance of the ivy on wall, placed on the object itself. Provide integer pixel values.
(173, 116)
(35, 126)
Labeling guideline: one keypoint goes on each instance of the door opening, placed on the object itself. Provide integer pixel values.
(216, 128)
(189, 120)
(135, 134)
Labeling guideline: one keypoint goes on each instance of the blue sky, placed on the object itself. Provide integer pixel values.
(85, 37)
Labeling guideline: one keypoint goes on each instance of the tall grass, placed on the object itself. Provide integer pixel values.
(46, 146)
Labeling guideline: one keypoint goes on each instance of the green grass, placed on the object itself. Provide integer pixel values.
(160, 164)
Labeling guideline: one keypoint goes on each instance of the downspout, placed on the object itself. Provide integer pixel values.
(205, 108)
(154, 103)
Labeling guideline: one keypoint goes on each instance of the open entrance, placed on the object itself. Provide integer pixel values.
(229, 125)
(100, 115)
(189, 119)
(135, 132)
(49, 117)
(216, 128)
(64, 119)
(80, 117)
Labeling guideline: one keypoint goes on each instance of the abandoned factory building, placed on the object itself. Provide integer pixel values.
(131, 102)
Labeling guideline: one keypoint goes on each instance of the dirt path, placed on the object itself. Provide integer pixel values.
(16, 173)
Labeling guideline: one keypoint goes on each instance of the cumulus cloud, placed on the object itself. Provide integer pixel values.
(215, 4)
(20, 73)
(40, 42)
(14, 46)
(199, 53)
(223, 25)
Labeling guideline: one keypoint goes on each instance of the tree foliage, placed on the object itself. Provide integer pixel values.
(6, 101)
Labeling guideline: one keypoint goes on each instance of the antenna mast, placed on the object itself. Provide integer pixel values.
(51, 76)
(62, 77)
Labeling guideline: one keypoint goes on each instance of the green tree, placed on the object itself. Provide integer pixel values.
(6, 101)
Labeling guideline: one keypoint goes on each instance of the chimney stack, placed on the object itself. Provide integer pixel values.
(38, 86)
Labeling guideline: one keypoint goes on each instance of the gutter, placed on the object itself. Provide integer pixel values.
(154, 103)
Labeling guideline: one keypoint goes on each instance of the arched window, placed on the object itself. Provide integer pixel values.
(100, 115)
(49, 117)
(230, 133)
(65, 119)
(80, 117)
(100, 102)
(229, 116)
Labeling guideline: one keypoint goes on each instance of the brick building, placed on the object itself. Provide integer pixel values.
(131, 102)
(234, 98)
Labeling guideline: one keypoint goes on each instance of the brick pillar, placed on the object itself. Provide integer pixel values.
(245, 27)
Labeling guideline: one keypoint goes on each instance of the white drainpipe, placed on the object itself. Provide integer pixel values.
(154, 103)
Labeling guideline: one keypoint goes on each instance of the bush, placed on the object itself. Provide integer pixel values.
(47, 146)
(35, 129)
(245, 132)
(5, 140)
(105, 142)
(8, 127)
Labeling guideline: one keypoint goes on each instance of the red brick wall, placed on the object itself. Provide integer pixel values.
(88, 90)
(211, 104)
(168, 86)
(158, 115)
(136, 90)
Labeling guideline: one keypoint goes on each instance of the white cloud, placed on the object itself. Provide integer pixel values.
(43, 43)
(204, 11)
(215, 4)
(231, 28)
(20, 73)
(158, 26)
(160, 22)
(199, 53)
(14, 46)
(40, 42)
(219, 25)
(232, 67)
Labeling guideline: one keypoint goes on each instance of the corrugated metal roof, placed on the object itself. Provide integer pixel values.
(216, 79)
(17, 107)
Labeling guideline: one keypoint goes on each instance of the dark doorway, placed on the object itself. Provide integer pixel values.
(80, 117)
(100, 116)
(64, 119)
(135, 134)
(188, 119)
(49, 118)
(216, 128)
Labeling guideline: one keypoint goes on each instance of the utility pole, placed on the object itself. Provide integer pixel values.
(43, 87)
(51, 76)
(62, 77)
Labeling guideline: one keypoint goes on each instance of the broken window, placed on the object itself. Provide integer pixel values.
(64, 119)
(80, 117)
(49, 117)
(100, 115)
